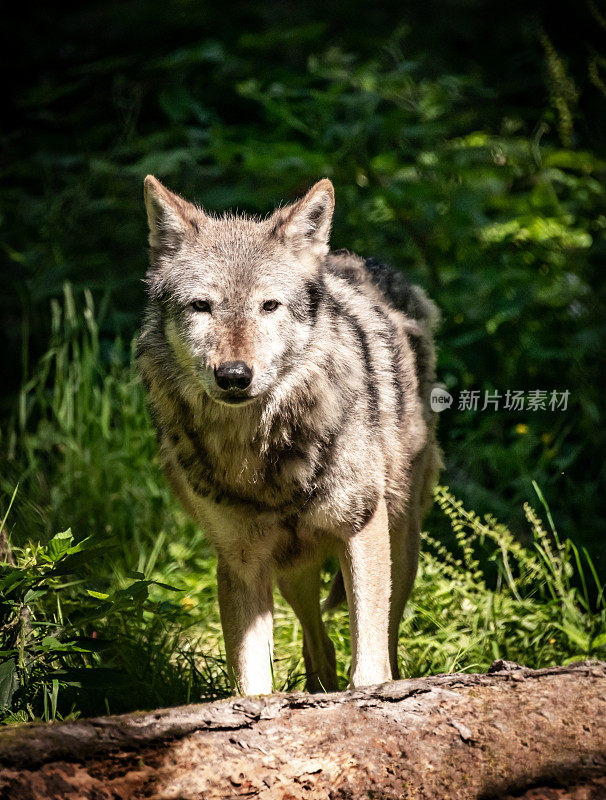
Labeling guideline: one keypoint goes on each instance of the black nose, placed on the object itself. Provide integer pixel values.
(233, 375)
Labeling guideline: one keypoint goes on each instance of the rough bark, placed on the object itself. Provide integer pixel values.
(514, 732)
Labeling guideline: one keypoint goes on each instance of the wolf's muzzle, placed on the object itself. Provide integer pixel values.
(233, 375)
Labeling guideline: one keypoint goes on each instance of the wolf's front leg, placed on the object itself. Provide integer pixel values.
(366, 565)
(247, 620)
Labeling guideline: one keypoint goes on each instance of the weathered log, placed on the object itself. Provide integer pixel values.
(513, 732)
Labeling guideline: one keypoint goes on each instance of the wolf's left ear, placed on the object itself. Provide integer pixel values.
(307, 222)
(170, 217)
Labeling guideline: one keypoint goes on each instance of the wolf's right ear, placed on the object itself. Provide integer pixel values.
(170, 217)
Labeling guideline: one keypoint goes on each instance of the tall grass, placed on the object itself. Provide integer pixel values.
(83, 452)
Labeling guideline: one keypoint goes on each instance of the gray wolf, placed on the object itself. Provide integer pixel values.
(289, 386)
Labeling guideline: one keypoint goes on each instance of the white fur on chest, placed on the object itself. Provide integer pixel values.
(252, 542)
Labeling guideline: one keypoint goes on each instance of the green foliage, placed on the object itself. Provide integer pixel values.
(123, 615)
(82, 407)
(545, 605)
(468, 152)
(50, 648)
(490, 194)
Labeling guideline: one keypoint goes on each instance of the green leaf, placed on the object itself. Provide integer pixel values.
(167, 586)
(10, 505)
(33, 594)
(59, 545)
(136, 591)
(97, 595)
(9, 683)
(578, 637)
(80, 546)
(73, 561)
(51, 643)
(16, 719)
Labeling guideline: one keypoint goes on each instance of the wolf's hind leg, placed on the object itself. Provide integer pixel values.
(300, 587)
(405, 536)
(247, 621)
(405, 532)
(365, 562)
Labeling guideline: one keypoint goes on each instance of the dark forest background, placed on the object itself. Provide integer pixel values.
(466, 142)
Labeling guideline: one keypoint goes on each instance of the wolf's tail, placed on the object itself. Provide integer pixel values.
(408, 298)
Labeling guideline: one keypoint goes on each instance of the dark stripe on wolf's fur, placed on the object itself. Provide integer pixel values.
(420, 352)
(324, 459)
(401, 295)
(195, 474)
(365, 513)
(391, 340)
(382, 275)
(196, 467)
(338, 310)
(203, 481)
(289, 550)
(306, 304)
(320, 462)
(258, 506)
(306, 404)
(405, 300)
(390, 282)
(315, 293)
(199, 473)
(395, 360)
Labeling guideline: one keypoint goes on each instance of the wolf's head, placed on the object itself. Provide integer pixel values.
(239, 296)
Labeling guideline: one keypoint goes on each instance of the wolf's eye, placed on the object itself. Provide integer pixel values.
(270, 305)
(201, 305)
